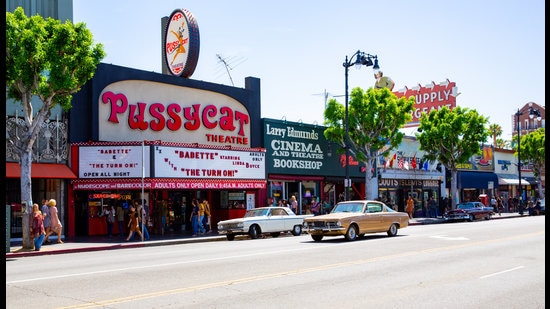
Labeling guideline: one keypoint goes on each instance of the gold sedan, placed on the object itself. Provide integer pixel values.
(353, 219)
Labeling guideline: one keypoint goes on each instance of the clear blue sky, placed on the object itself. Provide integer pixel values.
(493, 50)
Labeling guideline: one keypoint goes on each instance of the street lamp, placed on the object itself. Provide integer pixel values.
(532, 113)
(361, 58)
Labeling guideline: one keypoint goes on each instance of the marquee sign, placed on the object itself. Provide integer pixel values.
(429, 97)
(183, 162)
(181, 49)
(113, 162)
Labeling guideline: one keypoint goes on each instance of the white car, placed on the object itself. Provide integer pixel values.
(263, 220)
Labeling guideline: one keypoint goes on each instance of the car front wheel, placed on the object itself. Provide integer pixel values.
(296, 230)
(471, 218)
(351, 234)
(254, 232)
(392, 231)
(317, 237)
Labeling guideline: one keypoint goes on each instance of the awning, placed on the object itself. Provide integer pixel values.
(166, 183)
(476, 180)
(41, 170)
(508, 179)
(532, 180)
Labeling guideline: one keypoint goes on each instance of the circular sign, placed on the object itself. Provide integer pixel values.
(181, 47)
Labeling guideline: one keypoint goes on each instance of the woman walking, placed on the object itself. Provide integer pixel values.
(37, 227)
(55, 224)
(133, 224)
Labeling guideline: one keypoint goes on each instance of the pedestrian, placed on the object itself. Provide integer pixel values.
(432, 207)
(109, 214)
(494, 203)
(410, 206)
(47, 221)
(120, 218)
(142, 218)
(315, 206)
(500, 206)
(163, 215)
(327, 207)
(530, 206)
(37, 227)
(195, 217)
(133, 224)
(294, 204)
(55, 224)
(206, 218)
(201, 218)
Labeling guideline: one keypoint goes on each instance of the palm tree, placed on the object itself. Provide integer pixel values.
(495, 131)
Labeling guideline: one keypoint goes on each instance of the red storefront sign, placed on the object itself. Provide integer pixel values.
(429, 97)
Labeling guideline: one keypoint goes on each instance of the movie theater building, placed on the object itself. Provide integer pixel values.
(166, 139)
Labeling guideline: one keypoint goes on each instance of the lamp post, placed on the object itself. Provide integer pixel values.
(532, 113)
(361, 58)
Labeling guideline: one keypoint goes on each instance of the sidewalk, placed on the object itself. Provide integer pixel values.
(99, 243)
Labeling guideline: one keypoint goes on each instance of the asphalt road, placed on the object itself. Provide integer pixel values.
(483, 264)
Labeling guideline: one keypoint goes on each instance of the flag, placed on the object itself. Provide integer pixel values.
(426, 165)
(390, 162)
(407, 165)
(400, 163)
(413, 163)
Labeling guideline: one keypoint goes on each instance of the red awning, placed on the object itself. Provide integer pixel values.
(40, 170)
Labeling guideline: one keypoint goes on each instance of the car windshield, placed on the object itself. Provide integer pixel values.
(348, 207)
(256, 213)
(465, 206)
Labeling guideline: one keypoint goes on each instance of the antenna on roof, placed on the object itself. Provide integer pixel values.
(326, 95)
(225, 61)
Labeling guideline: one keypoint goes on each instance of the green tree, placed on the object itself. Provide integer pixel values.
(533, 151)
(501, 143)
(495, 130)
(452, 137)
(374, 117)
(50, 60)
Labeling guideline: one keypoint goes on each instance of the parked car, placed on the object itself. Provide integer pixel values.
(263, 220)
(539, 208)
(469, 211)
(353, 219)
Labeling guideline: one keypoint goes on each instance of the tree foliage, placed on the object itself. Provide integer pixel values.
(496, 131)
(533, 150)
(452, 137)
(374, 117)
(50, 60)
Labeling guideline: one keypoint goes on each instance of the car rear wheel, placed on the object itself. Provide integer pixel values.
(275, 234)
(351, 234)
(297, 230)
(230, 237)
(471, 218)
(488, 216)
(392, 231)
(254, 232)
(317, 237)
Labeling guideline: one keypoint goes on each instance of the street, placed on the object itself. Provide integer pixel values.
(482, 264)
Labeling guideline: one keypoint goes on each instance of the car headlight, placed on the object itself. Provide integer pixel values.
(240, 225)
(338, 223)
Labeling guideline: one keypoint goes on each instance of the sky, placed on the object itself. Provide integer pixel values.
(493, 50)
